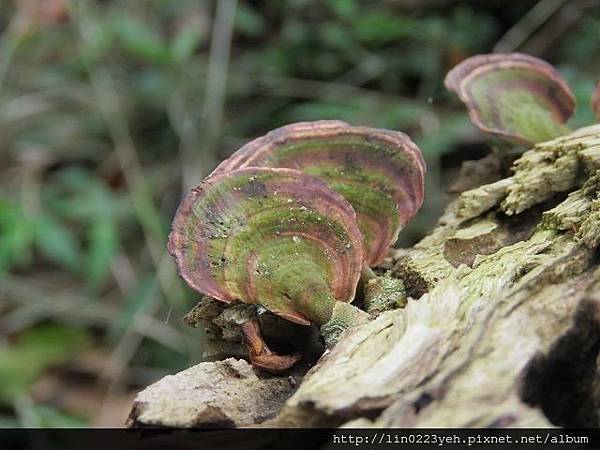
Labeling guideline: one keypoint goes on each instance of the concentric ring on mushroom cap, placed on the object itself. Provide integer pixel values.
(515, 96)
(277, 237)
(380, 172)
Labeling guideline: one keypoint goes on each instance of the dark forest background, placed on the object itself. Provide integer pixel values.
(111, 110)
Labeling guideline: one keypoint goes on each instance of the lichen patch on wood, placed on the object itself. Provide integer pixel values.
(505, 331)
(457, 346)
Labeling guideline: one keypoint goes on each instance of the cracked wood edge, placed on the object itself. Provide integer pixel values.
(216, 394)
(461, 354)
(484, 343)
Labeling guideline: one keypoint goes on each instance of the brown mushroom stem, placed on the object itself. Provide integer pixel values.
(261, 355)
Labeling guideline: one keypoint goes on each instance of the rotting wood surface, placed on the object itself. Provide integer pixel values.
(503, 328)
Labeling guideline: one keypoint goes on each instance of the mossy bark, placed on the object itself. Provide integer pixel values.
(503, 324)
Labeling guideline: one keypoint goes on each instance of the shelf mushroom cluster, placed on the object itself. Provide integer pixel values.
(294, 219)
(291, 220)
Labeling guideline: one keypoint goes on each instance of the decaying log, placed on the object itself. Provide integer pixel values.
(503, 327)
(224, 393)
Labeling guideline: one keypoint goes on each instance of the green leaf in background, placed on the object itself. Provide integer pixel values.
(337, 36)
(84, 200)
(402, 115)
(322, 110)
(346, 9)
(465, 24)
(582, 85)
(57, 242)
(16, 236)
(378, 26)
(435, 144)
(46, 416)
(248, 21)
(8, 422)
(186, 41)
(141, 297)
(99, 38)
(578, 46)
(103, 243)
(51, 417)
(140, 39)
(157, 86)
(41, 347)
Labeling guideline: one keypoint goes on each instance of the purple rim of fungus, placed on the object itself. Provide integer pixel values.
(549, 87)
(229, 229)
(241, 157)
(596, 100)
(382, 163)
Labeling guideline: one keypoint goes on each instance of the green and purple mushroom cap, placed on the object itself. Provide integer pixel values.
(379, 172)
(275, 237)
(514, 96)
(292, 220)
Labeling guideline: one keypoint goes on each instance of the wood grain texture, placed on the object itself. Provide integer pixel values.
(510, 336)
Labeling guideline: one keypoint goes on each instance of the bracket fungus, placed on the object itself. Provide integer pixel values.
(380, 172)
(294, 219)
(515, 96)
(278, 238)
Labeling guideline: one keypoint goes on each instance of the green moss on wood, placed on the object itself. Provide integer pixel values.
(384, 293)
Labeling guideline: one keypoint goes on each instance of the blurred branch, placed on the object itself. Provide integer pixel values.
(558, 26)
(214, 96)
(316, 89)
(419, 4)
(529, 23)
(412, 5)
(9, 41)
(23, 406)
(123, 272)
(114, 371)
(42, 301)
(140, 192)
(66, 307)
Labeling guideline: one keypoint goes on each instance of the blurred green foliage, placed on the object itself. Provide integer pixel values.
(104, 114)
(37, 349)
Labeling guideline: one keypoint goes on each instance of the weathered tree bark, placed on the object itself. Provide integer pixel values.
(503, 328)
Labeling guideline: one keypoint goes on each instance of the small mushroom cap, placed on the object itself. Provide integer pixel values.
(518, 97)
(596, 100)
(380, 172)
(276, 237)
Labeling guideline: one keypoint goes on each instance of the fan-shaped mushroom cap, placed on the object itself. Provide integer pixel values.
(515, 96)
(276, 237)
(380, 172)
(596, 100)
